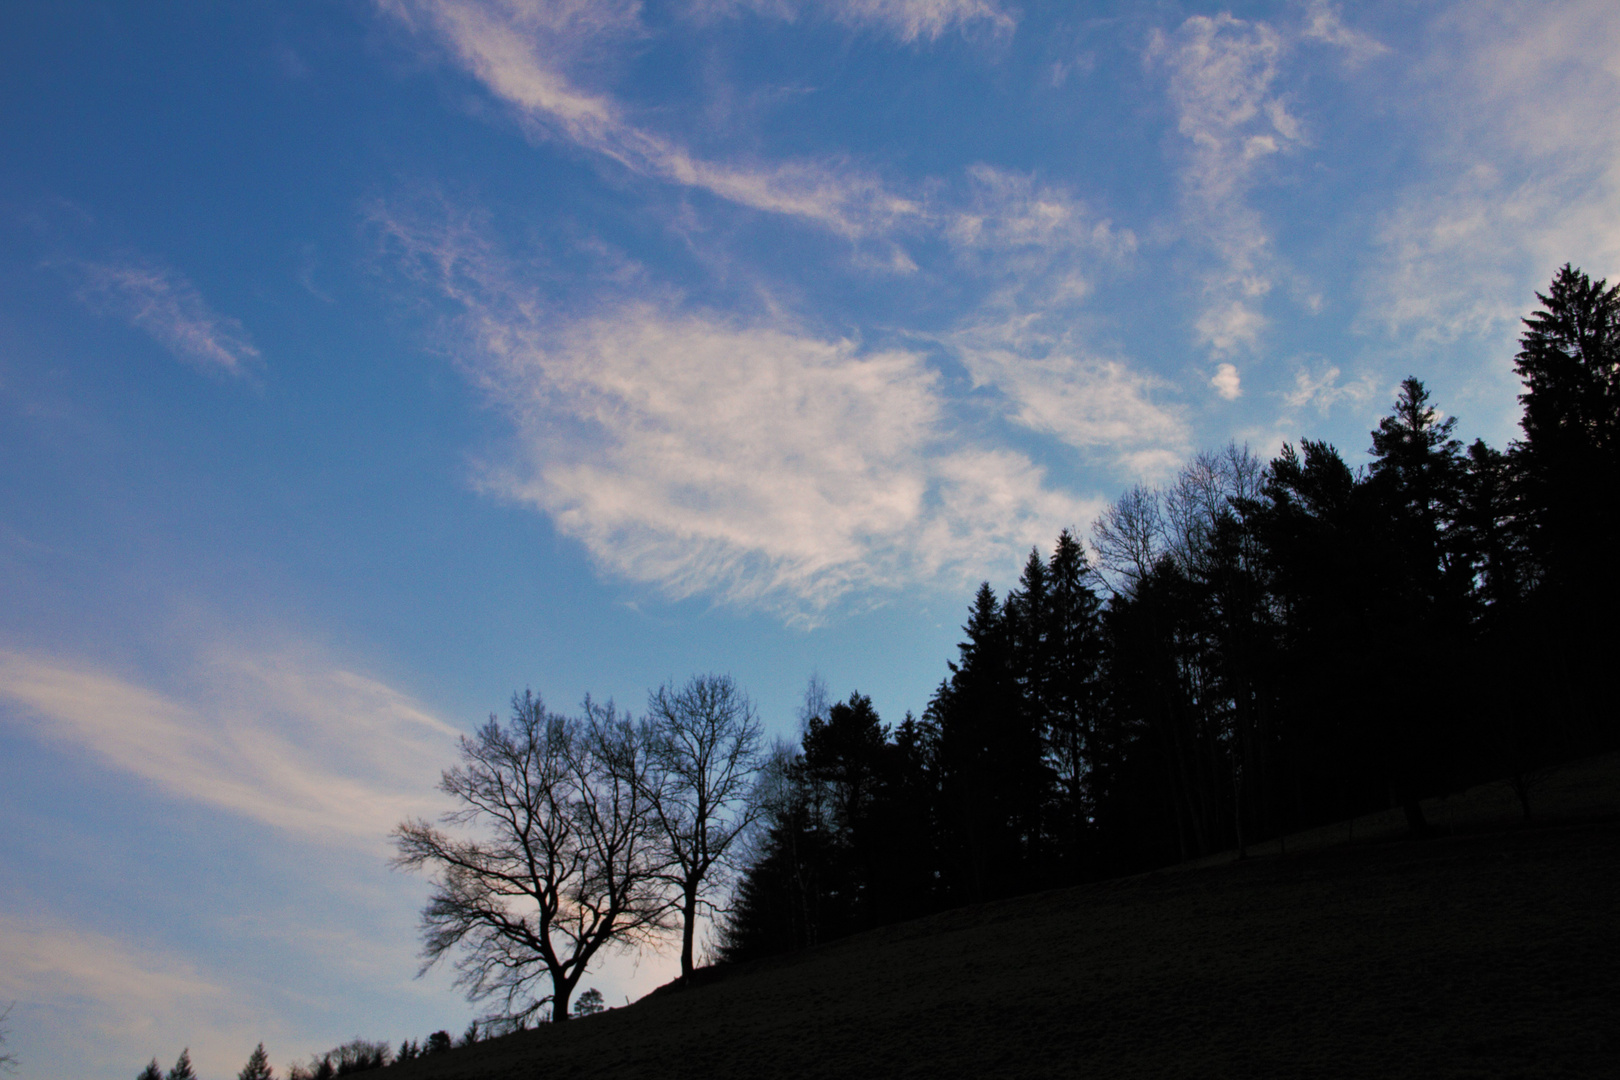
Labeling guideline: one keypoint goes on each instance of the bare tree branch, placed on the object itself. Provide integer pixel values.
(559, 864)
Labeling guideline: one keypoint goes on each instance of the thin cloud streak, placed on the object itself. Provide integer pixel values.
(909, 21)
(506, 48)
(286, 740)
(168, 307)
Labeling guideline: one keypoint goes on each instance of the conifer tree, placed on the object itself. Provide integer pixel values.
(182, 1067)
(257, 1067)
(153, 1071)
(1569, 359)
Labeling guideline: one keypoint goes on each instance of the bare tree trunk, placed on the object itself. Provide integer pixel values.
(689, 903)
(561, 991)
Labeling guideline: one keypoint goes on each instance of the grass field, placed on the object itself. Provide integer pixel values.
(1489, 950)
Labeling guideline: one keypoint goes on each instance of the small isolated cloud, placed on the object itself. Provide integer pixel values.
(283, 739)
(1519, 108)
(746, 460)
(169, 308)
(1226, 382)
(1222, 72)
(516, 50)
(1324, 24)
(1321, 389)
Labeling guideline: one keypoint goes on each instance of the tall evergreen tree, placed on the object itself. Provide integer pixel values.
(153, 1071)
(1568, 467)
(257, 1067)
(1569, 359)
(182, 1067)
(1072, 693)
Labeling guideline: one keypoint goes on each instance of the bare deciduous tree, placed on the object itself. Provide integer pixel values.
(554, 857)
(704, 748)
(1129, 538)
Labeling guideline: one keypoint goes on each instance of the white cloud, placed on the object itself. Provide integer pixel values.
(1226, 382)
(1324, 24)
(1221, 75)
(747, 460)
(1321, 389)
(1055, 387)
(284, 739)
(514, 49)
(1519, 105)
(912, 19)
(169, 308)
(1008, 212)
(766, 466)
(907, 20)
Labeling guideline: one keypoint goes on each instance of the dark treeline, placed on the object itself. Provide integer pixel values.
(1255, 649)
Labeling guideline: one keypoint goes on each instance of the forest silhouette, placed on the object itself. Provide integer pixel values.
(1256, 649)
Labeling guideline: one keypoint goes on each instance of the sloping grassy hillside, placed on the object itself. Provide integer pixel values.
(1487, 950)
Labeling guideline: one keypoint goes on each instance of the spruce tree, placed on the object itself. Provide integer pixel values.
(182, 1067)
(153, 1071)
(1569, 359)
(257, 1067)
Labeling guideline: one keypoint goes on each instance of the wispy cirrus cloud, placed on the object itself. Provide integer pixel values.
(1054, 385)
(1321, 389)
(168, 307)
(1041, 237)
(907, 20)
(1324, 23)
(746, 460)
(279, 737)
(1223, 76)
(1222, 72)
(1518, 105)
(513, 48)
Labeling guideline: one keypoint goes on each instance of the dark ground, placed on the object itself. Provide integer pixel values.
(1489, 950)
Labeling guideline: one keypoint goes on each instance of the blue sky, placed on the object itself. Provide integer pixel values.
(362, 363)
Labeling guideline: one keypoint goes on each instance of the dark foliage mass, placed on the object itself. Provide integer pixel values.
(1256, 649)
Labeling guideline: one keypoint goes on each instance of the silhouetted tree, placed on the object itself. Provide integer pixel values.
(703, 747)
(257, 1067)
(589, 1003)
(564, 861)
(1281, 646)
(1071, 698)
(990, 758)
(1568, 468)
(1569, 359)
(437, 1043)
(182, 1067)
(153, 1071)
